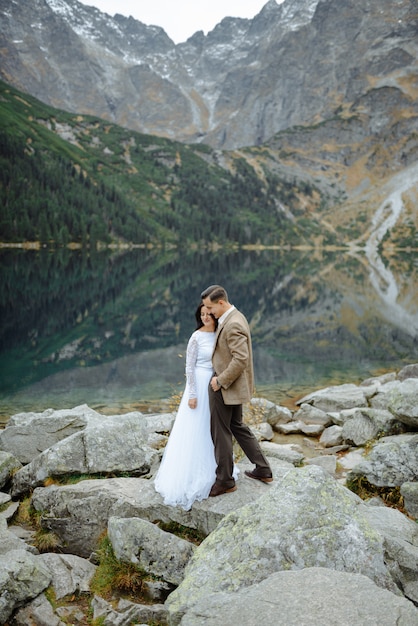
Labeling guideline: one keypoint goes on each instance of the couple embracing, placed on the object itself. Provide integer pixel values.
(198, 458)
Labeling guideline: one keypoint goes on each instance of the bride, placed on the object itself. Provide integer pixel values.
(187, 470)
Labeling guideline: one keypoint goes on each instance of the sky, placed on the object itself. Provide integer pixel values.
(180, 18)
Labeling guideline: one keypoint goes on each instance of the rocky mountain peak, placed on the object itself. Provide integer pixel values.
(295, 63)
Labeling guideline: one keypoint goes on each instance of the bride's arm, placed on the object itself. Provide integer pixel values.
(191, 359)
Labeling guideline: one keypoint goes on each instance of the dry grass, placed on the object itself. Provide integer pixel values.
(113, 576)
(391, 496)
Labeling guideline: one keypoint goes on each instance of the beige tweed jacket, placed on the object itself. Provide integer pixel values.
(233, 359)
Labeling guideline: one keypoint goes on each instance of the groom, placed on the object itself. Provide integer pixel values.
(231, 386)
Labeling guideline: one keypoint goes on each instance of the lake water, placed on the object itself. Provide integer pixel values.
(110, 329)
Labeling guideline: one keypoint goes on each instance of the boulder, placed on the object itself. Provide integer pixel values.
(363, 425)
(105, 446)
(312, 415)
(376, 381)
(313, 595)
(312, 430)
(337, 398)
(4, 498)
(8, 465)
(287, 452)
(159, 553)
(403, 402)
(70, 574)
(306, 519)
(28, 434)
(272, 413)
(391, 462)
(263, 432)
(328, 463)
(409, 491)
(79, 513)
(289, 428)
(38, 612)
(9, 541)
(401, 399)
(23, 576)
(331, 436)
(409, 371)
(400, 544)
(125, 613)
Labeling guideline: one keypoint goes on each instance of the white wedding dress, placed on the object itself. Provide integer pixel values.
(187, 470)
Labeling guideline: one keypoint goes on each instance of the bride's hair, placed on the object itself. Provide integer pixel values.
(199, 319)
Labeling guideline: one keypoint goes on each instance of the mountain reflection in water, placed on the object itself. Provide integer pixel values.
(110, 329)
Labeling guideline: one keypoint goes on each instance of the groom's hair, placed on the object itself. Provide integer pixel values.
(215, 293)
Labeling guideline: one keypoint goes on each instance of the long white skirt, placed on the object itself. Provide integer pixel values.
(187, 470)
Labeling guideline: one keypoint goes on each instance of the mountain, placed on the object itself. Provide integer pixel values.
(297, 63)
(72, 179)
(320, 92)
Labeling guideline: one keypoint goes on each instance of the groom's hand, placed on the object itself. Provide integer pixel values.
(214, 384)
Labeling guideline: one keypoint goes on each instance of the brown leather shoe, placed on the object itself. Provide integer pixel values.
(218, 490)
(256, 475)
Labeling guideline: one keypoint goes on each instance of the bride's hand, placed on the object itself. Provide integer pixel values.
(193, 403)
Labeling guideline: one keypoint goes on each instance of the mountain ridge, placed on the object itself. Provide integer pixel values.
(321, 91)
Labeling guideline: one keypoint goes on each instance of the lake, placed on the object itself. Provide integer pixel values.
(110, 328)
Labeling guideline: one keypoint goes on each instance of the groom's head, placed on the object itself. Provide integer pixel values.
(215, 298)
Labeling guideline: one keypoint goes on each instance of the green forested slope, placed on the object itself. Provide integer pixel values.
(71, 178)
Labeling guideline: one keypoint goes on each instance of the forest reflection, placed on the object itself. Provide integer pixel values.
(110, 328)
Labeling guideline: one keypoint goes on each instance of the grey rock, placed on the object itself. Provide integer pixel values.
(391, 462)
(376, 381)
(158, 552)
(22, 578)
(403, 402)
(312, 430)
(364, 425)
(312, 415)
(9, 512)
(8, 465)
(400, 542)
(10, 541)
(291, 527)
(127, 613)
(79, 513)
(157, 590)
(328, 463)
(401, 399)
(272, 413)
(4, 498)
(331, 436)
(352, 458)
(288, 452)
(38, 612)
(409, 491)
(160, 423)
(409, 371)
(70, 574)
(311, 596)
(106, 445)
(263, 432)
(334, 399)
(71, 613)
(289, 428)
(28, 434)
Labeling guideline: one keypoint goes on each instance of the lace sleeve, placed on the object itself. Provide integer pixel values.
(191, 358)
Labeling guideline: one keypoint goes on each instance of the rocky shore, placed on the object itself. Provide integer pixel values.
(305, 549)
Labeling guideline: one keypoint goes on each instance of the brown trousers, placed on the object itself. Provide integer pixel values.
(226, 422)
